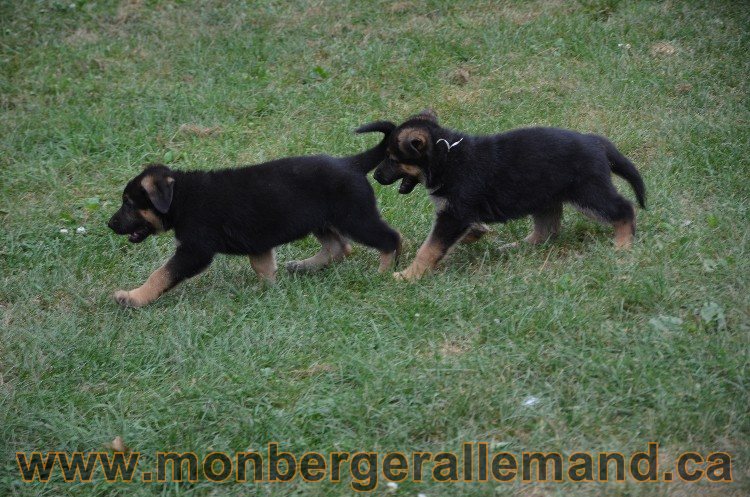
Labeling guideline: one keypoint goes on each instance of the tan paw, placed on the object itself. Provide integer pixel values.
(406, 275)
(124, 299)
(509, 246)
(626, 244)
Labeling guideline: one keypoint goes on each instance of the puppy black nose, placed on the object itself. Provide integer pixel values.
(112, 224)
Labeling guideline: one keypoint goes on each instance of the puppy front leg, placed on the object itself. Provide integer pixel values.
(446, 232)
(182, 265)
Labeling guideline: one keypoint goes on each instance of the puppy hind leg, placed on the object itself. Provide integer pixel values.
(333, 248)
(264, 266)
(345, 248)
(614, 209)
(624, 234)
(372, 231)
(390, 259)
(476, 232)
(546, 225)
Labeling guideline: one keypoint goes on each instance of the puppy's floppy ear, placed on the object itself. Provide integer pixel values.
(417, 143)
(413, 140)
(428, 115)
(384, 127)
(159, 188)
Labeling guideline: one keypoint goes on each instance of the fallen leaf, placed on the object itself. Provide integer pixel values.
(118, 445)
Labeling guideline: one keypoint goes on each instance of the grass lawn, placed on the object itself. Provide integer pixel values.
(563, 347)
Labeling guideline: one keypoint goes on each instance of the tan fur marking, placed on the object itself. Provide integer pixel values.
(407, 135)
(428, 255)
(152, 219)
(591, 214)
(410, 170)
(388, 259)
(264, 266)
(334, 248)
(148, 184)
(156, 284)
(546, 226)
(476, 232)
(150, 187)
(624, 231)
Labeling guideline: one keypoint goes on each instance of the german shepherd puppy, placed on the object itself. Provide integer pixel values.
(493, 179)
(251, 210)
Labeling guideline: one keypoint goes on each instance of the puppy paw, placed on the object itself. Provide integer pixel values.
(509, 246)
(294, 266)
(405, 276)
(124, 299)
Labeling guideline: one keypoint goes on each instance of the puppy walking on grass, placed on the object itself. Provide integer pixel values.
(492, 179)
(251, 210)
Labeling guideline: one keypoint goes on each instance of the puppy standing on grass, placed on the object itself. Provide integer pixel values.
(251, 210)
(489, 179)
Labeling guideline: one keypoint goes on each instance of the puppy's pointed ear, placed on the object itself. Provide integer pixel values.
(160, 189)
(428, 115)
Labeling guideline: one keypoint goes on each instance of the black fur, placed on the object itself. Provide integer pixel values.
(509, 175)
(250, 210)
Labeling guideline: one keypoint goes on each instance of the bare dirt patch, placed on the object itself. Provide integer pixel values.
(663, 49)
(81, 36)
(452, 347)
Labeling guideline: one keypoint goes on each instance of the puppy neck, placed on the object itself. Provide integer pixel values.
(449, 152)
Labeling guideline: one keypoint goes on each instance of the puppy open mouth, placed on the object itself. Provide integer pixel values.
(408, 182)
(407, 185)
(139, 235)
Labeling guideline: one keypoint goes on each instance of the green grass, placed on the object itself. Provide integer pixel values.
(614, 345)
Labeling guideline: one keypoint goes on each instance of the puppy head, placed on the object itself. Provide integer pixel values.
(145, 201)
(409, 148)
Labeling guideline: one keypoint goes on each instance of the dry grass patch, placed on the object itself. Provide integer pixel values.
(198, 130)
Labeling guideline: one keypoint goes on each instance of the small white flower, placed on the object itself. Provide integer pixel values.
(81, 230)
(64, 231)
(626, 46)
(392, 485)
(530, 401)
(416, 314)
(421, 495)
(496, 321)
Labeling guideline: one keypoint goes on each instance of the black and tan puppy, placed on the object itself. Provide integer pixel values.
(491, 179)
(251, 210)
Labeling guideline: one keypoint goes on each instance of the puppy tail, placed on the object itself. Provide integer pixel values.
(622, 167)
(369, 160)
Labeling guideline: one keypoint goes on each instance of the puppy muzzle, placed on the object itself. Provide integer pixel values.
(386, 176)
